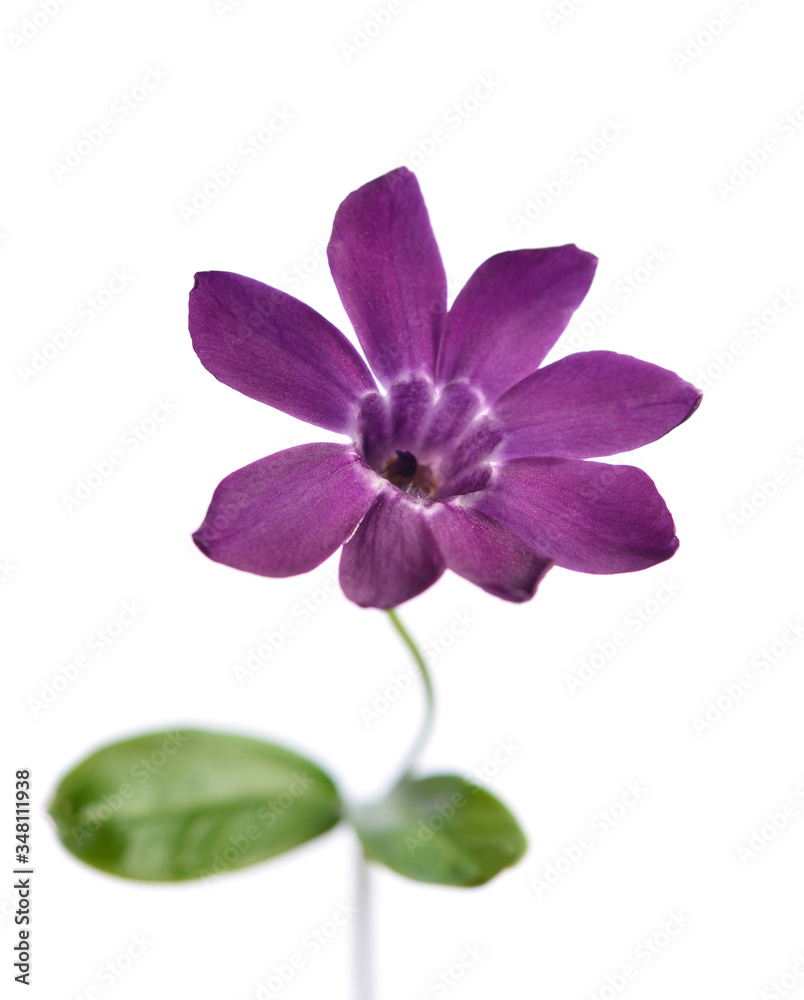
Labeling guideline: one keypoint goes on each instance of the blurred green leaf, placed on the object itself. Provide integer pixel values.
(190, 804)
(441, 829)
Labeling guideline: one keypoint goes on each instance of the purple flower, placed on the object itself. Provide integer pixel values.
(470, 457)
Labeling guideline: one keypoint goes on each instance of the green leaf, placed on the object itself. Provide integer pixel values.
(190, 804)
(441, 829)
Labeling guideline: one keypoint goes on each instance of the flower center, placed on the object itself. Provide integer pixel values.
(406, 472)
(405, 465)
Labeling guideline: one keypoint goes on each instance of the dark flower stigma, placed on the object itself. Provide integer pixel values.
(406, 472)
(405, 464)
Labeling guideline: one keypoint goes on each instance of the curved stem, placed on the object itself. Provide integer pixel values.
(429, 717)
(364, 973)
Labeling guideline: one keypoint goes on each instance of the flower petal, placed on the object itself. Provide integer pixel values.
(468, 481)
(586, 516)
(374, 429)
(477, 444)
(392, 556)
(270, 346)
(389, 274)
(454, 410)
(410, 403)
(592, 404)
(509, 315)
(486, 553)
(285, 514)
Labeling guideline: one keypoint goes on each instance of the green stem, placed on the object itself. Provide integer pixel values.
(429, 717)
(364, 978)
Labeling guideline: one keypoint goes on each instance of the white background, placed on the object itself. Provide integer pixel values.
(726, 253)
